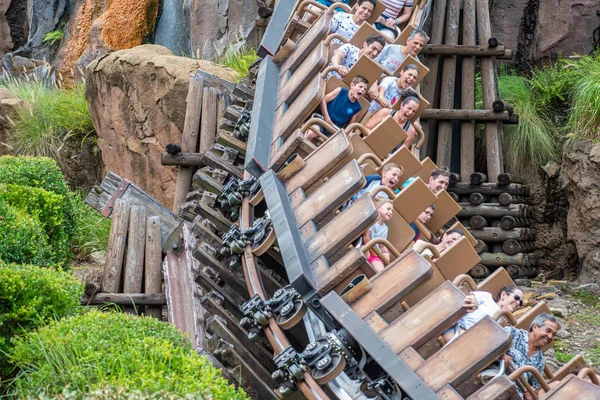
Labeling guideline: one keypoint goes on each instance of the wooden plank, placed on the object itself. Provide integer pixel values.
(189, 139)
(465, 49)
(232, 301)
(489, 82)
(208, 125)
(204, 181)
(226, 139)
(496, 234)
(136, 243)
(490, 189)
(125, 299)
(209, 158)
(493, 210)
(214, 216)
(116, 247)
(444, 150)
(227, 276)
(153, 259)
(502, 260)
(465, 114)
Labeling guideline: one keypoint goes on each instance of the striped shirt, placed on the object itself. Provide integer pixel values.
(394, 7)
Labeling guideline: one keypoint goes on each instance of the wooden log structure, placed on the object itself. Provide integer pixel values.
(467, 129)
(115, 251)
(189, 139)
(490, 189)
(477, 198)
(481, 246)
(124, 299)
(477, 178)
(512, 246)
(508, 222)
(136, 246)
(495, 234)
(502, 259)
(506, 199)
(480, 271)
(504, 179)
(152, 263)
(493, 210)
(477, 222)
(443, 114)
(454, 178)
(465, 49)
(516, 271)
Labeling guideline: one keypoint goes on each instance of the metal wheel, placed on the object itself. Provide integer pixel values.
(257, 198)
(290, 318)
(258, 249)
(328, 368)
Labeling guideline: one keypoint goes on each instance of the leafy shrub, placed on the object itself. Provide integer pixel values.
(55, 114)
(31, 297)
(36, 187)
(49, 209)
(37, 172)
(22, 238)
(92, 229)
(97, 349)
(240, 58)
(111, 393)
(54, 36)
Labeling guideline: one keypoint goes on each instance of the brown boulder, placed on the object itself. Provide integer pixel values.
(137, 101)
(580, 174)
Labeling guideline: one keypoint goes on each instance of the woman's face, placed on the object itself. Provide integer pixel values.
(408, 77)
(450, 238)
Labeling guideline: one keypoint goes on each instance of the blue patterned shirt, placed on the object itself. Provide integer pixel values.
(518, 353)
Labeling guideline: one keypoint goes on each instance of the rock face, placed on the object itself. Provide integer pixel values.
(10, 106)
(14, 25)
(537, 29)
(213, 24)
(98, 27)
(137, 101)
(580, 176)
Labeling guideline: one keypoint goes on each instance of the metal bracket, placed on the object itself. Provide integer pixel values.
(116, 195)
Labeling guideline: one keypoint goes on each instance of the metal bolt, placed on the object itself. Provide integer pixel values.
(322, 362)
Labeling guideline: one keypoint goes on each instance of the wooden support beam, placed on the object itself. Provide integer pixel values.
(477, 222)
(508, 222)
(189, 139)
(226, 139)
(153, 260)
(465, 115)
(225, 274)
(115, 251)
(465, 49)
(208, 126)
(506, 199)
(489, 80)
(504, 179)
(493, 210)
(477, 198)
(477, 178)
(480, 271)
(490, 189)
(136, 244)
(513, 247)
(502, 259)
(181, 159)
(124, 299)
(495, 234)
(444, 149)
(481, 246)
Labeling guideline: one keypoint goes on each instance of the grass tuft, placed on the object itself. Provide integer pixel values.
(92, 229)
(585, 107)
(239, 58)
(55, 115)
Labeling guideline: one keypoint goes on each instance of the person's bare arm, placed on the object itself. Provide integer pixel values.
(380, 99)
(377, 118)
(337, 59)
(411, 133)
(353, 119)
(385, 252)
(326, 99)
(406, 11)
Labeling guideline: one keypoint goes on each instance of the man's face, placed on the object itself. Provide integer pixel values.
(511, 301)
(425, 216)
(358, 89)
(415, 45)
(540, 336)
(390, 178)
(438, 184)
(372, 50)
(363, 12)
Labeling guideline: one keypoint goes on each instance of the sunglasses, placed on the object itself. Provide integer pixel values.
(518, 298)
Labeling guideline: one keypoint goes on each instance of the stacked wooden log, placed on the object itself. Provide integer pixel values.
(132, 274)
(498, 216)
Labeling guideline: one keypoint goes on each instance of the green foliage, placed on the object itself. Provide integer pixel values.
(533, 142)
(238, 58)
(36, 193)
(587, 298)
(92, 229)
(98, 350)
(111, 393)
(37, 172)
(22, 237)
(54, 36)
(31, 297)
(55, 115)
(585, 107)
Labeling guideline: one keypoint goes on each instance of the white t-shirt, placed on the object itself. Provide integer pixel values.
(377, 231)
(486, 306)
(350, 58)
(392, 93)
(343, 24)
(418, 246)
(391, 57)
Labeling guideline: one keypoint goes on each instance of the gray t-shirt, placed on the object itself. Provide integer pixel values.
(392, 93)
(391, 57)
(350, 58)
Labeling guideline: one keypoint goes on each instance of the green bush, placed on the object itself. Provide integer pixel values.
(238, 58)
(37, 172)
(22, 238)
(585, 108)
(96, 350)
(55, 114)
(111, 393)
(31, 297)
(92, 229)
(36, 186)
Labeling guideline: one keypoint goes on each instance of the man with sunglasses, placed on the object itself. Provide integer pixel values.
(508, 298)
